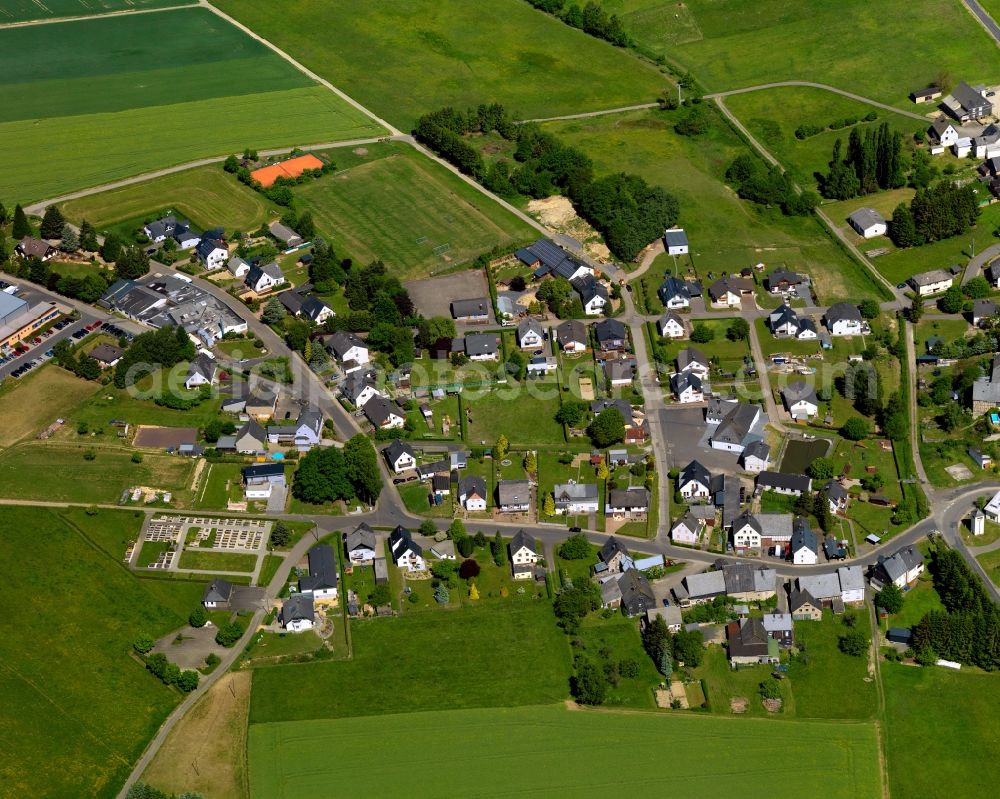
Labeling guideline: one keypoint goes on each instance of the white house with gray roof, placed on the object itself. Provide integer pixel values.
(800, 399)
(671, 325)
(676, 241)
(576, 498)
(844, 319)
(530, 335)
(933, 282)
(262, 279)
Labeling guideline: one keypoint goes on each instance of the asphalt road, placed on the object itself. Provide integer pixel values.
(984, 19)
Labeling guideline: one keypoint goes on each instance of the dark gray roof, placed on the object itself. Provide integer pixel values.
(799, 390)
(362, 537)
(218, 590)
(799, 597)
(610, 548)
(737, 425)
(395, 450)
(572, 330)
(675, 237)
(529, 325)
(747, 518)
(758, 449)
(313, 307)
(472, 484)
(690, 355)
(681, 381)
(342, 341)
(597, 406)
(523, 539)
(292, 301)
(480, 344)
(263, 470)
(866, 217)
(322, 570)
(843, 311)
(635, 498)
(835, 491)
(379, 409)
(803, 536)
(609, 330)
(969, 98)
(695, 471)
(476, 307)
(674, 287)
(637, 594)
(401, 541)
(783, 480)
(588, 287)
(513, 492)
(782, 277)
(106, 353)
(298, 607)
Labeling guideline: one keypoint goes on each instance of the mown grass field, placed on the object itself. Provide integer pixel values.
(149, 83)
(37, 400)
(64, 729)
(552, 751)
(21, 10)
(207, 196)
(473, 657)
(864, 47)
(403, 59)
(398, 206)
(726, 233)
(939, 726)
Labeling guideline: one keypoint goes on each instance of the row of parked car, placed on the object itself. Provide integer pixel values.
(27, 366)
(112, 329)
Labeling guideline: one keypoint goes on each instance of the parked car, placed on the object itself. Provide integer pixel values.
(576, 529)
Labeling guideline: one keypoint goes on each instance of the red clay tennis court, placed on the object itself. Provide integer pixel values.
(291, 168)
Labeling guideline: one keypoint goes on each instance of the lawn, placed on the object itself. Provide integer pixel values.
(990, 562)
(417, 498)
(111, 403)
(206, 196)
(948, 329)
(852, 45)
(525, 415)
(38, 399)
(402, 208)
(167, 98)
(217, 561)
(220, 482)
(620, 635)
(473, 657)
(59, 472)
(406, 58)
(693, 168)
(109, 530)
(433, 429)
(920, 600)
(759, 111)
(937, 725)
(725, 683)
(21, 10)
(67, 732)
(838, 761)
(770, 345)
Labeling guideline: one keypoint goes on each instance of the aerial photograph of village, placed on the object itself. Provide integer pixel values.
(500, 398)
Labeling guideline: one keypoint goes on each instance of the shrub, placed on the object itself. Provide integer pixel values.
(229, 634)
(198, 617)
(469, 569)
(142, 644)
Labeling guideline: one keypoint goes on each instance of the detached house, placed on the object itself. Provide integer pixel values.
(514, 496)
(932, 282)
(399, 456)
(614, 557)
(676, 294)
(670, 325)
(384, 414)
(750, 642)
(942, 133)
(304, 433)
(524, 554)
(358, 389)
(902, 568)
(298, 613)
(262, 279)
(611, 335)
(472, 493)
(966, 103)
(781, 281)
(360, 545)
(687, 387)
(836, 496)
(250, 439)
(756, 457)
(349, 350)
(406, 553)
(30, 247)
(632, 503)
(201, 372)
(687, 529)
(475, 310)
(213, 253)
(675, 241)
(261, 479)
(695, 482)
(747, 532)
(593, 294)
(572, 336)
(322, 579)
(691, 359)
(576, 498)
(805, 548)
(481, 347)
(728, 291)
(530, 335)
(800, 399)
(844, 319)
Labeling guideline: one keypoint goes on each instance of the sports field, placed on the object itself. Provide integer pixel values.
(852, 44)
(405, 58)
(64, 727)
(550, 751)
(150, 83)
(206, 195)
(693, 168)
(21, 10)
(393, 204)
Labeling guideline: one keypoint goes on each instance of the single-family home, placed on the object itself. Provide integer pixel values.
(349, 350)
(781, 281)
(160, 229)
(962, 147)
(695, 482)
(406, 553)
(783, 321)
(250, 438)
(805, 547)
(676, 241)
(630, 503)
(530, 335)
(107, 355)
(482, 347)
(671, 615)
(747, 583)
(524, 554)
(315, 310)
(746, 533)
(261, 402)
(513, 496)
(399, 456)
(359, 388)
(687, 387)
(675, 293)
(781, 627)
(868, 223)
(670, 325)
(687, 529)
(728, 291)
(804, 606)
(943, 133)
(691, 359)
(834, 548)
(593, 294)
(611, 335)
(572, 336)
(620, 373)
(262, 279)
(298, 613)
(698, 589)
(843, 319)
(800, 399)
(986, 390)
(213, 253)
(321, 581)
(260, 479)
(576, 498)
(836, 496)
(756, 457)
(987, 143)
(933, 282)
(824, 588)
(304, 433)
(614, 557)
(637, 593)
(359, 544)
(902, 568)
(472, 493)
(384, 414)
(852, 584)
(542, 365)
(30, 247)
(201, 372)
(983, 311)
(966, 103)
(217, 594)
(237, 267)
(750, 642)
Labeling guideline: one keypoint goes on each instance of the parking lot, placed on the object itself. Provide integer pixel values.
(685, 431)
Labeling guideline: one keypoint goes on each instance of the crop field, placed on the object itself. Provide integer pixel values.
(403, 59)
(408, 211)
(59, 472)
(560, 747)
(928, 710)
(150, 80)
(692, 168)
(473, 657)
(64, 729)
(23, 10)
(855, 45)
(207, 196)
(38, 400)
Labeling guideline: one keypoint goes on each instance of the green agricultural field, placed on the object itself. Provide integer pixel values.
(207, 196)
(837, 761)
(402, 208)
(854, 45)
(150, 81)
(693, 168)
(406, 58)
(474, 657)
(59, 472)
(111, 530)
(938, 726)
(773, 115)
(21, 10)
(64, 728)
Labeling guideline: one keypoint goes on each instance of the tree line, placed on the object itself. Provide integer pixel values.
(591, 18)
(873, 162)
(941, 211)
(968, 630)
(768, 186)
(623, 208)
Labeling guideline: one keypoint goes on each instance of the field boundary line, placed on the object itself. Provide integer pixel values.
(130, 12)
(606, 112)
(393, 130)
